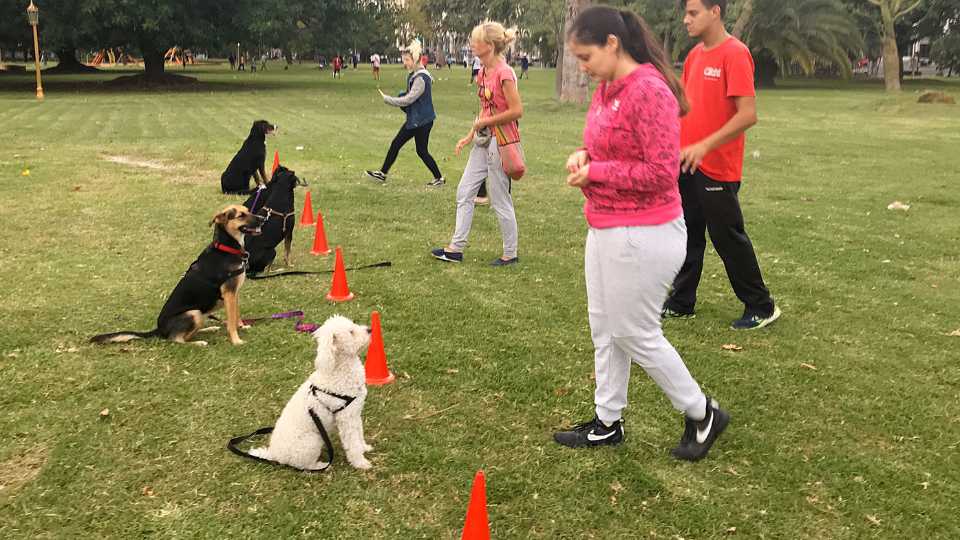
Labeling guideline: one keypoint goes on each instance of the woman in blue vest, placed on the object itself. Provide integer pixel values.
(417, 102)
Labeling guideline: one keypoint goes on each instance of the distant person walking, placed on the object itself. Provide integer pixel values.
(375, 60)
(337, 66)
(477, 64)
(417, 103)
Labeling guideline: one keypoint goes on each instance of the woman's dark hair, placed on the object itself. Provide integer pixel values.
(594, 24)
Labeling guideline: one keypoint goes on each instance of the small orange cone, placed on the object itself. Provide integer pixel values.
(306, 217)
(276, 162)
(339, 290)
(477, 525)
(320, 238)
(376, 364)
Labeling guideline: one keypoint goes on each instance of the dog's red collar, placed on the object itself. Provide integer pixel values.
(228, 249)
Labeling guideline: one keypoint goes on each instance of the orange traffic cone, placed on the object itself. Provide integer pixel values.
(276, 162)
(320, 238)
(477, 525)
(339, 290)
(306, 217)
(376, 364)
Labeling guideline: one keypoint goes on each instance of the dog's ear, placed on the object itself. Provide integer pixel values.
(223, 217)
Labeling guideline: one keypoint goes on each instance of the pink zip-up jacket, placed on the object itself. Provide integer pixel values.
(633, 138)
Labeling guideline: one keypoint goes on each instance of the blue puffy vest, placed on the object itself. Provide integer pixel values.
(420, 112)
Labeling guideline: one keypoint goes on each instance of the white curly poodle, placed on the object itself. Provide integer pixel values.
(335, 393)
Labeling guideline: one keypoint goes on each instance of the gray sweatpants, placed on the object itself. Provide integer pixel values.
(629, 271)
(484, 162)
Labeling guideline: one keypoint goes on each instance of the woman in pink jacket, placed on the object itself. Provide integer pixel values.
(628, 169)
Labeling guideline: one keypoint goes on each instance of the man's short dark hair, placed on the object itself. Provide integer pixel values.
(709, 4)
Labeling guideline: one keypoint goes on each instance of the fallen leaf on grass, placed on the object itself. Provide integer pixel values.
(147, 491)
(732, 530)
(955, 333)
(452, 371)
(616, 486)
(808, 366)
(25, 172)
(732, 347)
(104, 413)
(562, 391)
(897, 205)
(873, 519)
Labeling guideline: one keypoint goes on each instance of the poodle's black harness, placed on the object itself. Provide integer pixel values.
(234, 443)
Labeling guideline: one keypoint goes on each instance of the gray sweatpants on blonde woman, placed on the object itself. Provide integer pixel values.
(629, 271)
(484, 162)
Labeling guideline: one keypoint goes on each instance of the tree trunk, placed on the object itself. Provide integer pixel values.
(153, 68)
(68, 63)
(743, 20)
(891, 56)
(573, 84)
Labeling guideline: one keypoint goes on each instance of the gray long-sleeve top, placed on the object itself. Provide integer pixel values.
(416, 90)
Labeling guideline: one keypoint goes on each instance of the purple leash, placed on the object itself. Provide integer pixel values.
(284, 315)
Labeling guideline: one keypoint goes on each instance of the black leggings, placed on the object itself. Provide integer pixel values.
(422, 137)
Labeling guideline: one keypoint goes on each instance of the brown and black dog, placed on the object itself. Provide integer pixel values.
(214, 278)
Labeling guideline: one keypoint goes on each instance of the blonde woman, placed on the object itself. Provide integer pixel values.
(500, 105)
(417, 103)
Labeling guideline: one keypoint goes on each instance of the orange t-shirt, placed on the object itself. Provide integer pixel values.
(711, 80)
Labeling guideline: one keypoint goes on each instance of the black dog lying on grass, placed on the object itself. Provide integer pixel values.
(249, 161)
(275, 204)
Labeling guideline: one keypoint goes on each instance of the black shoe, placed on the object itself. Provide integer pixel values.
(448, 256)
(436, 182)
(753, 321)
(592, 433)
(698, 436)
(501, 262)
(377, 176)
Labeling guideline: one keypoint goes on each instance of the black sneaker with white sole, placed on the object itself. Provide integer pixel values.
(753, 321)
(699, 435)
(377, 176)
(436, 182)
(592, 433)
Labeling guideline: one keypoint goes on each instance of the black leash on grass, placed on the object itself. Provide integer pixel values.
(234, 444)
(304, 272)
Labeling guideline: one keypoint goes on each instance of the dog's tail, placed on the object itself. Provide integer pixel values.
(123, 337)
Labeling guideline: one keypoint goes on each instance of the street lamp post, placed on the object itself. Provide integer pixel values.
(33, 16)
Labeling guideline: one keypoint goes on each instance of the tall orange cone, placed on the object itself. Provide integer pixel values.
(320, 238)
(477, 524)
(276, 162)
(339, 290)
(306, 217)
(376, 364)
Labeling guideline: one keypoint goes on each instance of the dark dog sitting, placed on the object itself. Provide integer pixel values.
(275, 204)
(249, 161)
(215, 277)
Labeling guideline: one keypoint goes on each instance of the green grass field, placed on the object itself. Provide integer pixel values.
(844, 414)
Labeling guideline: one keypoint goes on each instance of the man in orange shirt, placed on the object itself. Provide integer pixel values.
(718, 79)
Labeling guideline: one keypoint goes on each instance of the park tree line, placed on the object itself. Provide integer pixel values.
(804, 37)
(148, 28)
